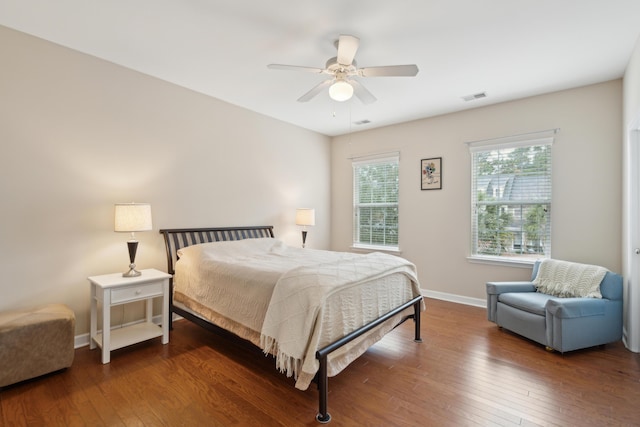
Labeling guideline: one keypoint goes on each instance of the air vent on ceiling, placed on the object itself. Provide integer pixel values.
(362, 122)
(475, 96)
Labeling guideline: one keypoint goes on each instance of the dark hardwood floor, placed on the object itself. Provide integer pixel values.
(466, 372)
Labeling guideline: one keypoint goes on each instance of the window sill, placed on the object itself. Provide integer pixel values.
(366, 248)
(505, 262)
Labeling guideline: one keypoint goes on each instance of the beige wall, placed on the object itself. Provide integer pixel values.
(79, 134)
(435, 225)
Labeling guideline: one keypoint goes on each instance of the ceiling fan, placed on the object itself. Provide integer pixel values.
(343, 68)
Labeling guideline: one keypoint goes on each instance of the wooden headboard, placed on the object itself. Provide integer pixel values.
(177, 238)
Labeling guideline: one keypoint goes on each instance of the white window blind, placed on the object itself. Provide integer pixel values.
(375, 202)
(511, 197)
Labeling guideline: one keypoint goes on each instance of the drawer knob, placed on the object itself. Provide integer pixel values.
(138, 291)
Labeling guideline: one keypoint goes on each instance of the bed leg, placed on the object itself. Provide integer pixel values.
(323, 392)
(171, 304)
(416, 321)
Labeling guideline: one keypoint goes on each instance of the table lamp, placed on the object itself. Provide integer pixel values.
(129, 218)
(304, 217)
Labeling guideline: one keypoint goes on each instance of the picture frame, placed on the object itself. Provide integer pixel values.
(431, 173)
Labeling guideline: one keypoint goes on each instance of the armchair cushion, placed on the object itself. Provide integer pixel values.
(531, 302)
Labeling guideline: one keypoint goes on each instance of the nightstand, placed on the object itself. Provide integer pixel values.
(112, 289)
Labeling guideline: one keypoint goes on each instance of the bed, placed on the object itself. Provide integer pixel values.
(315, 311)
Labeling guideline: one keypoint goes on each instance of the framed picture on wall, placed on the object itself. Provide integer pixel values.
(431, 173)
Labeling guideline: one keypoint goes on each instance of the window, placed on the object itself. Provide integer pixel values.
(375, 202)
(511, 197)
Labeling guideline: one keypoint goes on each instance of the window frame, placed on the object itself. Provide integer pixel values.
(359, 162)
(543, 138)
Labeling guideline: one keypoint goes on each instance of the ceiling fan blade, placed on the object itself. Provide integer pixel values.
(315, 90)
(362, 93)
(347, 48)
(389, 71)
(295, 68)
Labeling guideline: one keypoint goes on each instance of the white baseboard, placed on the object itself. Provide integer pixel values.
(476, 302)
(81, 340)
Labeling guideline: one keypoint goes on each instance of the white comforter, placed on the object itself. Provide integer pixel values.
(291, 301)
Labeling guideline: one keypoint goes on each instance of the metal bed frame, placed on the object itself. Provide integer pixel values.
(182, 237)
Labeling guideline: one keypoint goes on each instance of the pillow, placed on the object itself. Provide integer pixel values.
(569, 279)
(230, 249)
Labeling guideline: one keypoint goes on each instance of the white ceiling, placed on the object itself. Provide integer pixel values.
(507, 48)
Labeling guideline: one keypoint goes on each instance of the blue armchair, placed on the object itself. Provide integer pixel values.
(561, 324)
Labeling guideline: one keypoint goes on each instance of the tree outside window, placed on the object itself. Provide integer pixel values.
(511, 199)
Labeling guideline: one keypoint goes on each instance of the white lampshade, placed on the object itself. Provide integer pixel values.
(130, 217)
(305, 216)
(341, 91)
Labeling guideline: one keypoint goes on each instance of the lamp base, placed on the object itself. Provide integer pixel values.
(133, 247)
(132, 271)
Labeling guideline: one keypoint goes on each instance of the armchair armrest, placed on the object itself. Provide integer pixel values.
(573, 323)
(496, 288)
(568, 308)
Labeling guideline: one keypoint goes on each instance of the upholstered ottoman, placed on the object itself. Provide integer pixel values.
(35, 341)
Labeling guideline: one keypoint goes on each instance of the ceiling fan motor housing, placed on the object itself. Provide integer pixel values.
(333, 67)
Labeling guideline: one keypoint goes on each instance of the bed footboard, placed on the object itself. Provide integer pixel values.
(322, 354)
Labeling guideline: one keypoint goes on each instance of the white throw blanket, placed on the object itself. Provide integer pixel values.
(292, 328)
(569, 279)
(236, 278)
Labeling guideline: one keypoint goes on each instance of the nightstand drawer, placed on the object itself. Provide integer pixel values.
(136, 292)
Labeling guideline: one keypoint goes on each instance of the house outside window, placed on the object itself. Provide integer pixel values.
(375, 202)
(511, 197)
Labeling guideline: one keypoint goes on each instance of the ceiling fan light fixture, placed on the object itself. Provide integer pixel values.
(341, 91)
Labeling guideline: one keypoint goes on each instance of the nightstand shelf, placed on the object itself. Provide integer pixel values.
(113, 289)
(131, 334)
